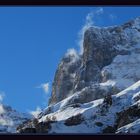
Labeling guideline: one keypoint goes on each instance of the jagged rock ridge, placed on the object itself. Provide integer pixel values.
(103, 48)
(92, 93)
(63, 84)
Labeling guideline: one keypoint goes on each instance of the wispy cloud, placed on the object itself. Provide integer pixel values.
(1, 98)
(88, 23)
(45, 87)
(95, 16)
(91, 15)
(2, 95)
(72, 52)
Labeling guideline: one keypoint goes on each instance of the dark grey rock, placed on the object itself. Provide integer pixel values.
(99, 50)
(63, 84)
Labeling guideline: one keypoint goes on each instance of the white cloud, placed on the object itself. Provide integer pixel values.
(89, 22)
(1, 96)
(91, 15)
(72, 52)
(45, 87)
(36, 112)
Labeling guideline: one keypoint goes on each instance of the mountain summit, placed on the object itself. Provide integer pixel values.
(109, 63)
(98, 91)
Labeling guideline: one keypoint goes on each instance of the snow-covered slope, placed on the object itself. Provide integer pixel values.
(98, 91)
(10, 119)
(123, 69)
(132, 128)
(110, 60)
(99, 116)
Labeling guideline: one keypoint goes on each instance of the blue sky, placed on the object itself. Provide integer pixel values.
(34, 39)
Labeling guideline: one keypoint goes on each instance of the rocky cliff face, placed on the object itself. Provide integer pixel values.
(98, 92)
(63, 84)
(104, 52)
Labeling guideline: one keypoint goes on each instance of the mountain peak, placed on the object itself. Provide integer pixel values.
(98, 91)
(102, 47)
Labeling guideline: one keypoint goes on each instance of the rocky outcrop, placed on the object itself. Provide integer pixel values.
(98, 52)
(63, 84)
(101, 47)
(94, 92)
(112, 114)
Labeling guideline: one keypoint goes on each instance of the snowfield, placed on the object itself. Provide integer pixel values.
(107, 95)
(133, 128)
(95, 92)
(97, 115)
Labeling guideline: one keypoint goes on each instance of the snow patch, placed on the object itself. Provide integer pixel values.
(133, 128)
